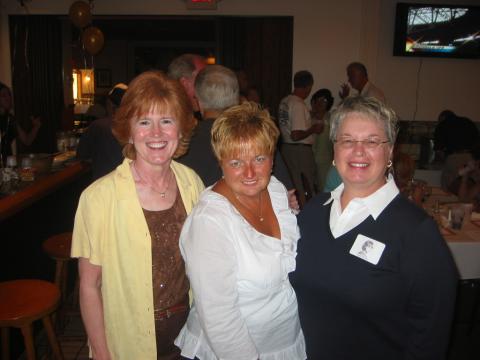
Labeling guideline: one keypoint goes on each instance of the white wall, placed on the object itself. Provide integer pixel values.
(442, 83)
(328, 34)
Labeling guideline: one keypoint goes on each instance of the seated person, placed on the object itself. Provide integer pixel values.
(467, 184)
(454, 134)
(403, 171)
(450, 171)
(10, 129)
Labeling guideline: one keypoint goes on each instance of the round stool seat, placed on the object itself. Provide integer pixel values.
(58, 246)
(21, 303)
(24, 301)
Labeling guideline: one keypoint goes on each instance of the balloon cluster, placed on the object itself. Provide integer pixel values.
(92, 37)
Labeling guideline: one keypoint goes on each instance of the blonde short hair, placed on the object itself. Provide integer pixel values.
(153, 91)
(240, 127)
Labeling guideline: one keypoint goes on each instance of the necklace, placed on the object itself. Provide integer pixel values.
(259, 215)
(163, 193)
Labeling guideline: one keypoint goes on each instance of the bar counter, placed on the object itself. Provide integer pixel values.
(40, 188)
(38, 210)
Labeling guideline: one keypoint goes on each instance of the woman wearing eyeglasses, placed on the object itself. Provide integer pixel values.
(395, 303)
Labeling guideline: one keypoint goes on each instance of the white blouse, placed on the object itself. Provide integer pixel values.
(244, 306)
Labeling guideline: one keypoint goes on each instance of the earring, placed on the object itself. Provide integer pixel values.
(130, 141)
(389, 164)
(333, 162)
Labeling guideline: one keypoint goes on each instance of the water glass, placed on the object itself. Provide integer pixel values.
(12, 161)
(458, 213)
(468, 207)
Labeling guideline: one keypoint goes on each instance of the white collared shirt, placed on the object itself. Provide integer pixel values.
(358, 209)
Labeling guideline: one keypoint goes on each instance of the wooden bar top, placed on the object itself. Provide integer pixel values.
(40, 188)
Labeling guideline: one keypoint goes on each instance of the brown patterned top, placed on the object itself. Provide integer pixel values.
(170, 283)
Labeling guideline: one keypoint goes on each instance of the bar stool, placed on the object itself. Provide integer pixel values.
(21, 303)
(58, 248)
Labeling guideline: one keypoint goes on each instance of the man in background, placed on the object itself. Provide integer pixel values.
(216, 88)
(454, 134)
(297, 131)
(455, 138)
(98, 143)
(185, 68)
(358, 79)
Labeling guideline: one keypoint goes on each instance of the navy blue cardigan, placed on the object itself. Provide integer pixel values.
(401, 308)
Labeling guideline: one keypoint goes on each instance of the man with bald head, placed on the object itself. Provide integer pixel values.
(358, 79)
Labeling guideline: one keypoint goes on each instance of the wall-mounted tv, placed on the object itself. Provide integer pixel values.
(433, 30)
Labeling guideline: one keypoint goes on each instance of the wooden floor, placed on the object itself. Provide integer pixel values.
(73, 342)
(464, 345)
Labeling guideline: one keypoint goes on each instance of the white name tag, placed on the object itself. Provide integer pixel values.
(367, 249)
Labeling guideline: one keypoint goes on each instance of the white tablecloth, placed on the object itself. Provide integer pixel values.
(464, 243)
(465, 247)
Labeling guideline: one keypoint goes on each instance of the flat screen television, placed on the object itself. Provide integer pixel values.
(434, 30)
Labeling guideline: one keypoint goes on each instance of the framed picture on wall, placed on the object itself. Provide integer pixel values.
(103, 78)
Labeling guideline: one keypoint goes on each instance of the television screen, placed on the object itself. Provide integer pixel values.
(437, 30)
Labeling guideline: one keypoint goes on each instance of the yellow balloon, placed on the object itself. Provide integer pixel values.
(93, 40)
(80, 14)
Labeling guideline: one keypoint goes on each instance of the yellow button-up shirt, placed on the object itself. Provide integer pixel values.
(111, 231)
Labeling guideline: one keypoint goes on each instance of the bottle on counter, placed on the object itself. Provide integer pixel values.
(27, 172)
(62, 141)
(9, 175)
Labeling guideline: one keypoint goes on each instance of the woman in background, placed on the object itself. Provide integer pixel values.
(239, 244)
(133, 286)
(321, 103)
(10, 130)
(403, 172)
(394, 301)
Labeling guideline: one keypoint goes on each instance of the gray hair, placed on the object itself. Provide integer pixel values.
(371, 108)
(216, 88)
(183, 66)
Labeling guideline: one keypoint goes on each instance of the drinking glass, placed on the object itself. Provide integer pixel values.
(458, 213)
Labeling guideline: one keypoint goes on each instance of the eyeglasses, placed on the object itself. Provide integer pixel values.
(347, 143)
